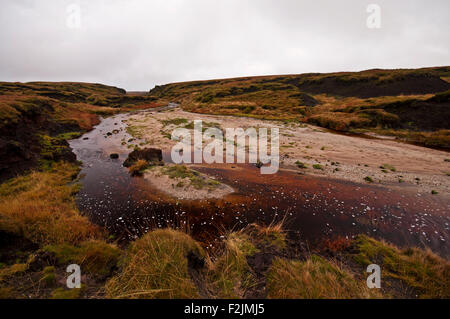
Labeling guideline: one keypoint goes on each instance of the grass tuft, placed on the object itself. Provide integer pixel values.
(156, 267)
(40, 207)
(230, 274)
(315, 278)
(94, 257)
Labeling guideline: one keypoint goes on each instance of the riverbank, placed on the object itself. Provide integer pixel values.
(315, 151)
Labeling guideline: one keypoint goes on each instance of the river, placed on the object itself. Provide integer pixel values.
(313, 208)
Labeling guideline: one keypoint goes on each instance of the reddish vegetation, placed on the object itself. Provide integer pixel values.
(337, 244)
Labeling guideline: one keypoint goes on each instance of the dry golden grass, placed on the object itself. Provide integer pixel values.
(156, 267)
(40, 207)
(266, 236)
(138, 168)
(331, 100)
(440, 138)
(419, 269)
(315, 278)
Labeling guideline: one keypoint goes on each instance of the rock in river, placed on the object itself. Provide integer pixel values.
(151, 155)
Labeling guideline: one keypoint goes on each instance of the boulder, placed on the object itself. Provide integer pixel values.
(151, 155)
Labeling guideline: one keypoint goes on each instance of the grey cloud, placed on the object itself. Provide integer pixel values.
(137, 44)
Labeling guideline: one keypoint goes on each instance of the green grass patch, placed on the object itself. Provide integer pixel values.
(195, 178)
(230, 274)
(301, 165)
(386, 167)
(94, 257)
(368, 179)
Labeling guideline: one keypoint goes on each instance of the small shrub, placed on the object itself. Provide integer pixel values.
(385, 167)
(368, 179)
(138, 168)
(301, 165)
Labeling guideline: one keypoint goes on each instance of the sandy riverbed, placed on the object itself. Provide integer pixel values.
(417, 169)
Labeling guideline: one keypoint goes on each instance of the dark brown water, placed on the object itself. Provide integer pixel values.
(313, 208)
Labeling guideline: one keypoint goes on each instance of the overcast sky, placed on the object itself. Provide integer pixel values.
(135, 44)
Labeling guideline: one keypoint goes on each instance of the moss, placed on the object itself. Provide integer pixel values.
(176, 121)
(94, 257)
(195, 178)
(276, 239)
(318, 166)
(271, 236)
(368, 179)
(388, 167)
(49, 270)
(69, 136)
(136, 131)
(61, 293)
(12, 270)
(48, 276)
(53, 148)
(301, 165)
